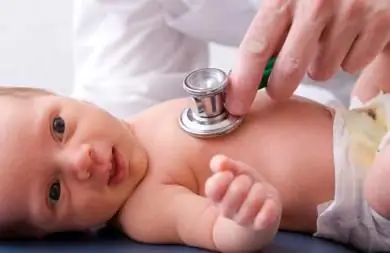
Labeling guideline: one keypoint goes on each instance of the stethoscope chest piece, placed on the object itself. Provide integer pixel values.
(208, 117)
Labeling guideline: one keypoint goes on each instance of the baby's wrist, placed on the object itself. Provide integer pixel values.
(228, 236)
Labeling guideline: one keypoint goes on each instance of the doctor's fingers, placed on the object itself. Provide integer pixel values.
(263, 38)
(299, 49)
(358, 33)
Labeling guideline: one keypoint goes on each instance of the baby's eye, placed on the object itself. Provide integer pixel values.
(58, 127)
(55, 192)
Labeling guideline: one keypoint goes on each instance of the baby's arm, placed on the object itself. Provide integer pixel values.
(374, 78)
(248, 206)
(174, 214)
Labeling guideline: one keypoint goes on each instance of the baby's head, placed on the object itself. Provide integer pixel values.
(64, 164)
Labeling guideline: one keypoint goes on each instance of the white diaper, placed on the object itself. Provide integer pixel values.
(348, 218)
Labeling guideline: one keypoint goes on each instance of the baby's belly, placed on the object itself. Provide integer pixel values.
(292, 151)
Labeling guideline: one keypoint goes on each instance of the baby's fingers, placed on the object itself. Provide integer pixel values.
(235, 195)
(222, 163)
(252, 205)
(217, 185)
(269, 215)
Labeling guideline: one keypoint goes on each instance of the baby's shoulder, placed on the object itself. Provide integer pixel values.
(145, 212)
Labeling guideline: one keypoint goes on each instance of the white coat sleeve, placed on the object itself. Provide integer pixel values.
(127, 58)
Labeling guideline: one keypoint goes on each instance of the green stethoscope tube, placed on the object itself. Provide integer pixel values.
(267, 72)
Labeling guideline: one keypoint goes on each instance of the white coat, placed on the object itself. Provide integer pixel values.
(132, 54)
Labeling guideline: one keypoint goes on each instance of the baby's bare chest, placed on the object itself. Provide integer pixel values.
(185, 160)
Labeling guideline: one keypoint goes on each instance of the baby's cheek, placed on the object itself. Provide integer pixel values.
(88, 210)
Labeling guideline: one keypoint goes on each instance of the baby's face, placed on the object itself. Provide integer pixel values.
(64, 164)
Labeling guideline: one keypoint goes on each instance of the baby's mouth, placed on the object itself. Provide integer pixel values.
(116, 171)
(112, 171)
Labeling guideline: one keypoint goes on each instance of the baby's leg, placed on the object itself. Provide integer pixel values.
(376, 186)
(374, 78)
(376, 193)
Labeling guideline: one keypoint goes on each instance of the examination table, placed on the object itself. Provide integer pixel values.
(109, 240)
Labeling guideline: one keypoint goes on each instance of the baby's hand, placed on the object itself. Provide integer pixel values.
(242, 194)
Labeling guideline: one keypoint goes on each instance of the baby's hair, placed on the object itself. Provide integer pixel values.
(23, 92)
(16, 230)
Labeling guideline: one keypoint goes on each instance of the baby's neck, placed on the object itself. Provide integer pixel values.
(140, 158)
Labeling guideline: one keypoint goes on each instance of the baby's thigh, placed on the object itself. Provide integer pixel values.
(376, 184)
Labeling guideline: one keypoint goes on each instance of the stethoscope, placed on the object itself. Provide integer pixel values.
(208, 117)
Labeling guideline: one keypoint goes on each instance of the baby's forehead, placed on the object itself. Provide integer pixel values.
(17, 107)
(21, 141)
(25, 130)
(17, 118)
(23, 112)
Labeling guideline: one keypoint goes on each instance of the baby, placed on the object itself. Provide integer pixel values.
(295, 165)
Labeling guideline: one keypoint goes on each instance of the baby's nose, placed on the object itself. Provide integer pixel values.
(82, 161)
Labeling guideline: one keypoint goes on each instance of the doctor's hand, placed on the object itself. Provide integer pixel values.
(318, 37)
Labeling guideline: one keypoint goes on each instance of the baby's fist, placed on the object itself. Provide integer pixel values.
(241, 194)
